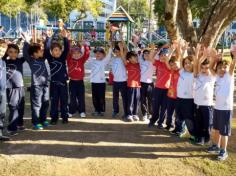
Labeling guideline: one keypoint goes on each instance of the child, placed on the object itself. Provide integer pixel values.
(185, 103)
(203, 95)
(133, 91)
(15, 89)
(39, 92)
(172, 91)
(147, 70)
(160, 90)
(56, 57)
(3, 48)
(97, 79)
(223, 110)
(119, 82)
(75, 62)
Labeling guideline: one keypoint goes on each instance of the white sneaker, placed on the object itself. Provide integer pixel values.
(135, 118)
(82, 115)
(70, 115)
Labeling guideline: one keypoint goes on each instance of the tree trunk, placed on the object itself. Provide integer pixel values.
(170, 19)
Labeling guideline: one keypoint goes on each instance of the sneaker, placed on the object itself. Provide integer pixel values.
(20, 128)
(4, 138)
(70, 115)
(38, 127)
(192, 139)
(95, 114)
(101, 114)
(65, 120)
(144, 118)
(135, 118)
(45, 123)
(130, 119)
(214, 149)
(181, 134)
(151, 125)
(114, 114)
(174, 131)
(82, 115)
(167, 128)
(222, 155)
(200, 141)
(160, 126)
(53, 123)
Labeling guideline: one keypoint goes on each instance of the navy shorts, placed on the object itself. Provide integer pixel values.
(222, 121)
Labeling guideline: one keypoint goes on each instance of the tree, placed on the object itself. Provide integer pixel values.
(137, 9)
(12, 7)
(215, 16)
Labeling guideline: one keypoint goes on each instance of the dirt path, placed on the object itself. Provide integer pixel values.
(106, 147)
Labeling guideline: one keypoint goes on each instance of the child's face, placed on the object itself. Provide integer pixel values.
(174, 66)
(38, 55)
(133, 60)
(188, 65)
(117, 53)
(163, 57)
(145, 55)
(205, 69)
(222, 69)
(76, 55)
(12, 53)
(56, 52)
(3, 50)
(99, 55)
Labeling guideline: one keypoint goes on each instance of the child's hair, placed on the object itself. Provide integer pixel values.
(55, 45)
(131, 54)
(116, 47)
(189, 57)
(173, 59)
(205, 62)
(34, 48)
(221, 63)
(14, 46)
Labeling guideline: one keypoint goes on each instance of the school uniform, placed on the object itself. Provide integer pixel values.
(147, 70)
(98, 82)
(15, 92)
(2, 96)
(58, 83)
(160, 93)
(119, 84)
(76, 84)
(39, 91)
(223, 110)
(134, 85)
(172, 98)
(185, 103)
(203, 99)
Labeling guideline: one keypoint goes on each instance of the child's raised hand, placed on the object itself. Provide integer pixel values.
(49, 32)
(152, 46)
(233, 51)
(64, 33)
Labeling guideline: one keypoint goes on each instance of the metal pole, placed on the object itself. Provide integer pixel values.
(149, 20)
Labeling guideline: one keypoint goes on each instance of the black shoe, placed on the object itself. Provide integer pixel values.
(95, 114)
(200, 141)
(101, 114)
(175, 131)
(53, 123)
(167, 128)
(13, 133)
(4, 138)
(160, 126)
(114, 114)
(65, 121)
(21, 128)
(151, 125)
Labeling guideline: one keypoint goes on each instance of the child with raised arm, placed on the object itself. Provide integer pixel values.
(223, 110)
(97, 79)
(56, 56)
(130, 60)
(39, 92)
(204, 78)
(15, 88)
(119, 82)
(75, 62)
(3, 48)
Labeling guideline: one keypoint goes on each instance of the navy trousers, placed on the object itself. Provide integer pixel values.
(203, 121)
(2, 111)
(77, 96)
(171, 108)
(159, 105)
(120, 87)
(146, 98)
(16, 103)
(133, 95)
(58, 96)
(185, 113)
(98, 96)
(39, 96)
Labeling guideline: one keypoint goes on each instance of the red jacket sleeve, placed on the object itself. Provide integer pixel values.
(86, 53)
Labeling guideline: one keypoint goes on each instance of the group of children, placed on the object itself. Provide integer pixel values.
(185, 86)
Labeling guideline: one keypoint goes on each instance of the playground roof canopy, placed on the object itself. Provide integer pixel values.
(120, 15)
